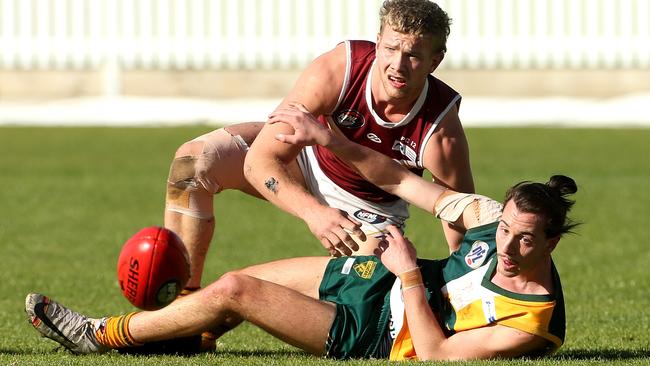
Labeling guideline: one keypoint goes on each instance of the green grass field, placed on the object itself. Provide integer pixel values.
(69, 197)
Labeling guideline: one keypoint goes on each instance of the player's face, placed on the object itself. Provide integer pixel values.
(403, 62)
(522, 244)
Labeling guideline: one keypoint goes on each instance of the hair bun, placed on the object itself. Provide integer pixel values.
(563, 184)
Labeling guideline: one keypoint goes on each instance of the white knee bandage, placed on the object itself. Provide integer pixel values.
(450, 206)
(185, 193)
(194, 179)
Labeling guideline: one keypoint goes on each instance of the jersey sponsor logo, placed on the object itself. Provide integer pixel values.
(489, 309)
(408, 142)
(350, 118)
(477, 254)
(365, 270)
(369, 217)
(374, 138)
(405, 150)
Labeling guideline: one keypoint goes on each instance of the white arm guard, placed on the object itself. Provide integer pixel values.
(451, 205)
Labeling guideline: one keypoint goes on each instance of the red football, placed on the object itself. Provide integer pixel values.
(153, 268)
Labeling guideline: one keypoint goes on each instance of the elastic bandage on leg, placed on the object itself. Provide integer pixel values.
(195, 178)
(451, 205)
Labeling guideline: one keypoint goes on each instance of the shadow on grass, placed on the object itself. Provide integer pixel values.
(228, 353)
(602, 354)
(262, 353)
(576, 354)
(31, 352)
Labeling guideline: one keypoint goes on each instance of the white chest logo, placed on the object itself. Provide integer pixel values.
(406, 151)
(374, 138)
(477, 254)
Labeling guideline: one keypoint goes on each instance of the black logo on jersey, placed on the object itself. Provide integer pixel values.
(369, 217)
(350, 118)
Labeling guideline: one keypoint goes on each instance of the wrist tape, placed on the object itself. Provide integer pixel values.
(411, 278)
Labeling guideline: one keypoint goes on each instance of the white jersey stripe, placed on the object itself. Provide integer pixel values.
(433, 128)
(346, 79)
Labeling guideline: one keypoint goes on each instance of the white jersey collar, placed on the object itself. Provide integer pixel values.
(408, 117)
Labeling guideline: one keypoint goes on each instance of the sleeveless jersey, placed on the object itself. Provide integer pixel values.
(354, 115)
(461, 294)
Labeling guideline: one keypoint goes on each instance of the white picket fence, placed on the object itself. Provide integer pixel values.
(282, 34)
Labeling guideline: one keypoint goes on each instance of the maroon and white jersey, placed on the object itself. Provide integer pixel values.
(403, 141)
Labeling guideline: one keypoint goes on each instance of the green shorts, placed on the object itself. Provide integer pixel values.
(360, 287)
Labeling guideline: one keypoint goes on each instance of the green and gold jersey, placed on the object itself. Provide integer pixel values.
(461, 293)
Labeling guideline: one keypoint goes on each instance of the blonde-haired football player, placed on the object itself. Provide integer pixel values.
(497, 295)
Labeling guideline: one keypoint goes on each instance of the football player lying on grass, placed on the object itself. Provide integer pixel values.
(498, 296)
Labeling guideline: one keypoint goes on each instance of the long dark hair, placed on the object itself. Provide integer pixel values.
(549, 199)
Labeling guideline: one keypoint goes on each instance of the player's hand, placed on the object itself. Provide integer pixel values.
(334, 229)
(307, 130)
(396, 252)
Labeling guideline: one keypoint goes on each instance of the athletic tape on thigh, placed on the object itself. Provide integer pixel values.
(451, 205)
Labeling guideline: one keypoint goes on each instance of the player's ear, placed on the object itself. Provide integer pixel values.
(551, 243)
(436, 61)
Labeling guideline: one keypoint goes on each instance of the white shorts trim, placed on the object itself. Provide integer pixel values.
(373, 216)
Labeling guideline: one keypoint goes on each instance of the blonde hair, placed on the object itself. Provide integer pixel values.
(417, 17)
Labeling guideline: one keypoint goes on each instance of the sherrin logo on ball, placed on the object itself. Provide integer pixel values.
(153, 267)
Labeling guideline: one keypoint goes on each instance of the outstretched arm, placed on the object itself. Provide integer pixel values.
(385, 172)
(374, 166)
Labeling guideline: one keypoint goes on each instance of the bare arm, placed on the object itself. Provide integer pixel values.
(271, 168)
(429, 340)
(374, 166)
(446, 156)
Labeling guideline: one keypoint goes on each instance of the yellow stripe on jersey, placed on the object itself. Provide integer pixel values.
(476, 306)
(528, 316)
